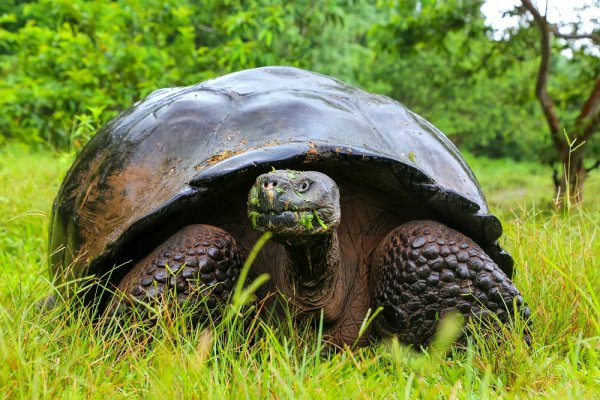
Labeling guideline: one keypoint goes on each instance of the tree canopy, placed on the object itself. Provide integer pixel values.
(70, 65)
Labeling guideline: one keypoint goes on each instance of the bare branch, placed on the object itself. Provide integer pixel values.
(591, 128)
(594, 37)
(589, 118)
(541, 88)
(539, 18)
(586, 123)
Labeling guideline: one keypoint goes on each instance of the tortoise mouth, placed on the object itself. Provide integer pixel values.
(292, 223)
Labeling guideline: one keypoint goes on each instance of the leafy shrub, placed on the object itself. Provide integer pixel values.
(70, 65)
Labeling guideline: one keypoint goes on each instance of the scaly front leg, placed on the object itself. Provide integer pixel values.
(424, 270)
(196, 267)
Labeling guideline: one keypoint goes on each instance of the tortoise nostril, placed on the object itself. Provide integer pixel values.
(271, 182)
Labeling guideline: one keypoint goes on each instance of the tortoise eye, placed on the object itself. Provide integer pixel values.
(304, 185)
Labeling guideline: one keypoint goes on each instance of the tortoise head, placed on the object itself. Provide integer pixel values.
(294, 204)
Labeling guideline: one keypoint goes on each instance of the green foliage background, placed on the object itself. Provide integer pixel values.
(68, 66)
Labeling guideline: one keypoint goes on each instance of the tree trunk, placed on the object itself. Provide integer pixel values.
(570, 146)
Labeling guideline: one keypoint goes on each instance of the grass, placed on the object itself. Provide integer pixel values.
(58, 354)
(512, 185)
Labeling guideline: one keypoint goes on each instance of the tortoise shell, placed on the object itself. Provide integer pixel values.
(190, 154)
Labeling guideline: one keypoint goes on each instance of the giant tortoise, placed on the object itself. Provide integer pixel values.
(370, 207)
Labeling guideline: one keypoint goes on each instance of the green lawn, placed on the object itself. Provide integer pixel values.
(58, 354)
(512, 186)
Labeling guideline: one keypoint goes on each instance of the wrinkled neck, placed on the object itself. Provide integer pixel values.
(313, 272)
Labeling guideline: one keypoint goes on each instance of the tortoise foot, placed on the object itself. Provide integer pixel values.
(194, 272)
(424, 270)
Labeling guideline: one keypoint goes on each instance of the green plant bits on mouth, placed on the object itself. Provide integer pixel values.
(319, 220)
(306, 221)
(253, 215)
(253, 194)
